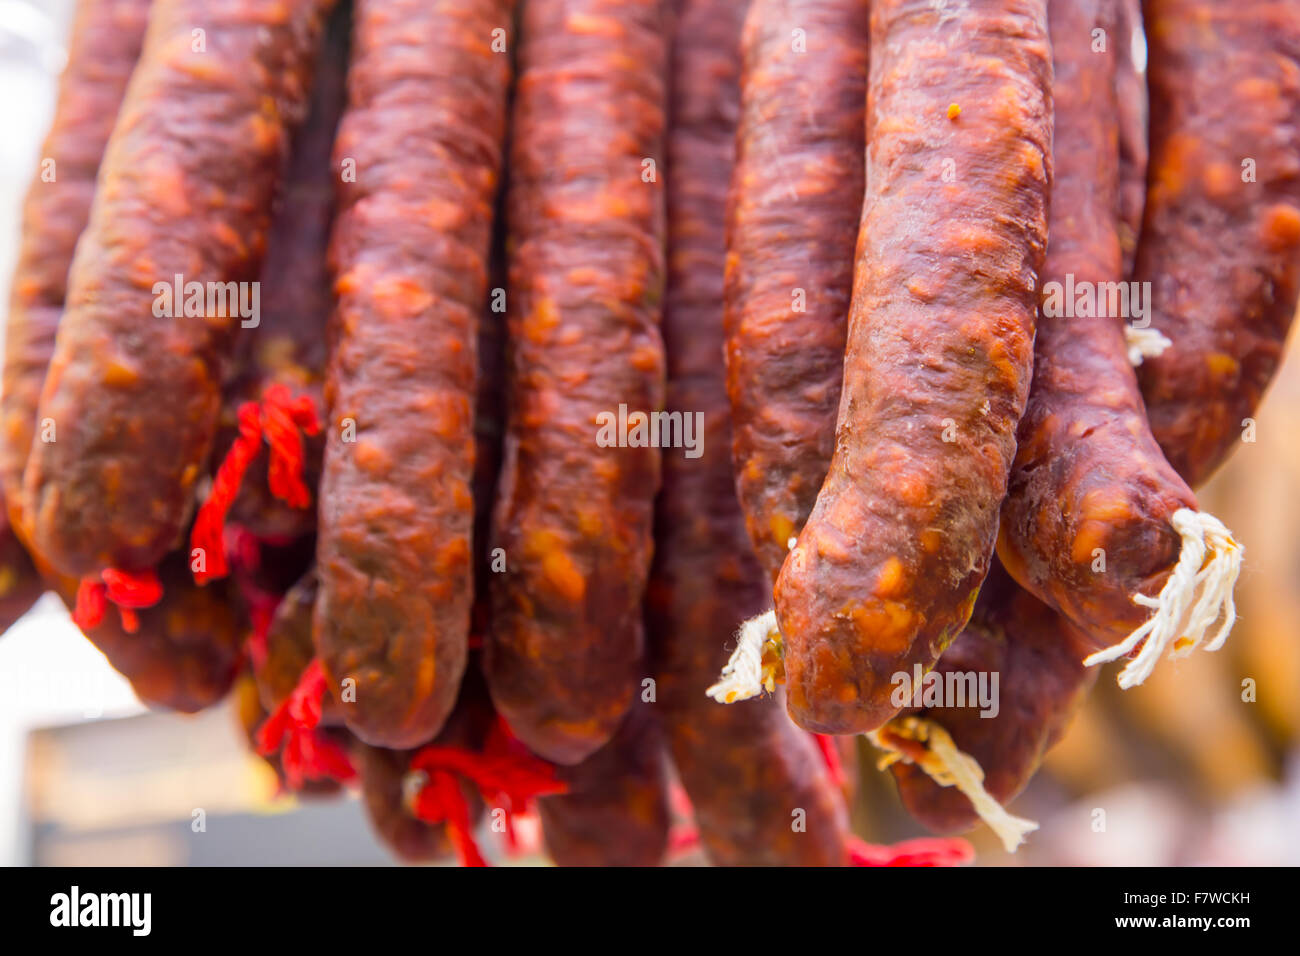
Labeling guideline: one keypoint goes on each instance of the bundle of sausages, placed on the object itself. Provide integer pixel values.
(450, 378)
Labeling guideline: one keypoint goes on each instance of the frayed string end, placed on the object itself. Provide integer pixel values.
(1144, 344)
(757, 664)
(1198, 594)
(947, 766)
(207, 536)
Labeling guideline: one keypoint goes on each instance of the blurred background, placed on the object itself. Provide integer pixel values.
(1200, 765)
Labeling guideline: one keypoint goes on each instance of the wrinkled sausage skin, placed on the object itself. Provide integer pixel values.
(615, 811)
(186, 188)
(574, 515)
(1088, 474)
(1041, 683)
(746, 768)
(937, 366)
(1220, 240)
(792, 223)
(424, 125)
(102, 51)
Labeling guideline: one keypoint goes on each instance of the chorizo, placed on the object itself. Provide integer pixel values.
(181, 649)
(747, 769)
(424, 126)
(792, 219)
(473, 762)
(264, 480)
(1006, 727)
(574, 511)
(1094, 514)
(384, 794)
(937, 365)
(188, 178)
(1220, 245)
(102, 51)
(615, 812)
(390, 788)
(290, 649)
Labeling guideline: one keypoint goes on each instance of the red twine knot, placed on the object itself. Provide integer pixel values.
(280, 420)
(504, 773)
(128, 590)
(306, 752)
(926, 851)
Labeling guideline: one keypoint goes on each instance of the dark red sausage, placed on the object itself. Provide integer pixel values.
(384, 794)
(796, 196)
(289, 649)
(615, 812)
(759, 788)
(1040, 683)
(187, 648)
(937, 367)
(1222, 253)
(389, 786)
(282, 362)
(574, 512)
(102, 51)
(1094, 514)
(186, 189)
(424, 126)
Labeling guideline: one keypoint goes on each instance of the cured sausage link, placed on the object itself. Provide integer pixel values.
(424, 129)
(792, 221)
(1220, 241)
(1096, 523)
(102, 51)
(746, 769)
(186, 189)
(574, 511)
(391, 788)
(1018, 666)
(937, 366)
(615, 812)
(282, 363)
(183, 652)
(384, 775)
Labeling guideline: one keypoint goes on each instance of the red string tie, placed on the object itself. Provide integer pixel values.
(504, 774)
(128, 590)
(280, 420)
(831, 756)
(926, 851)
(306, 752)
(261, 611)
